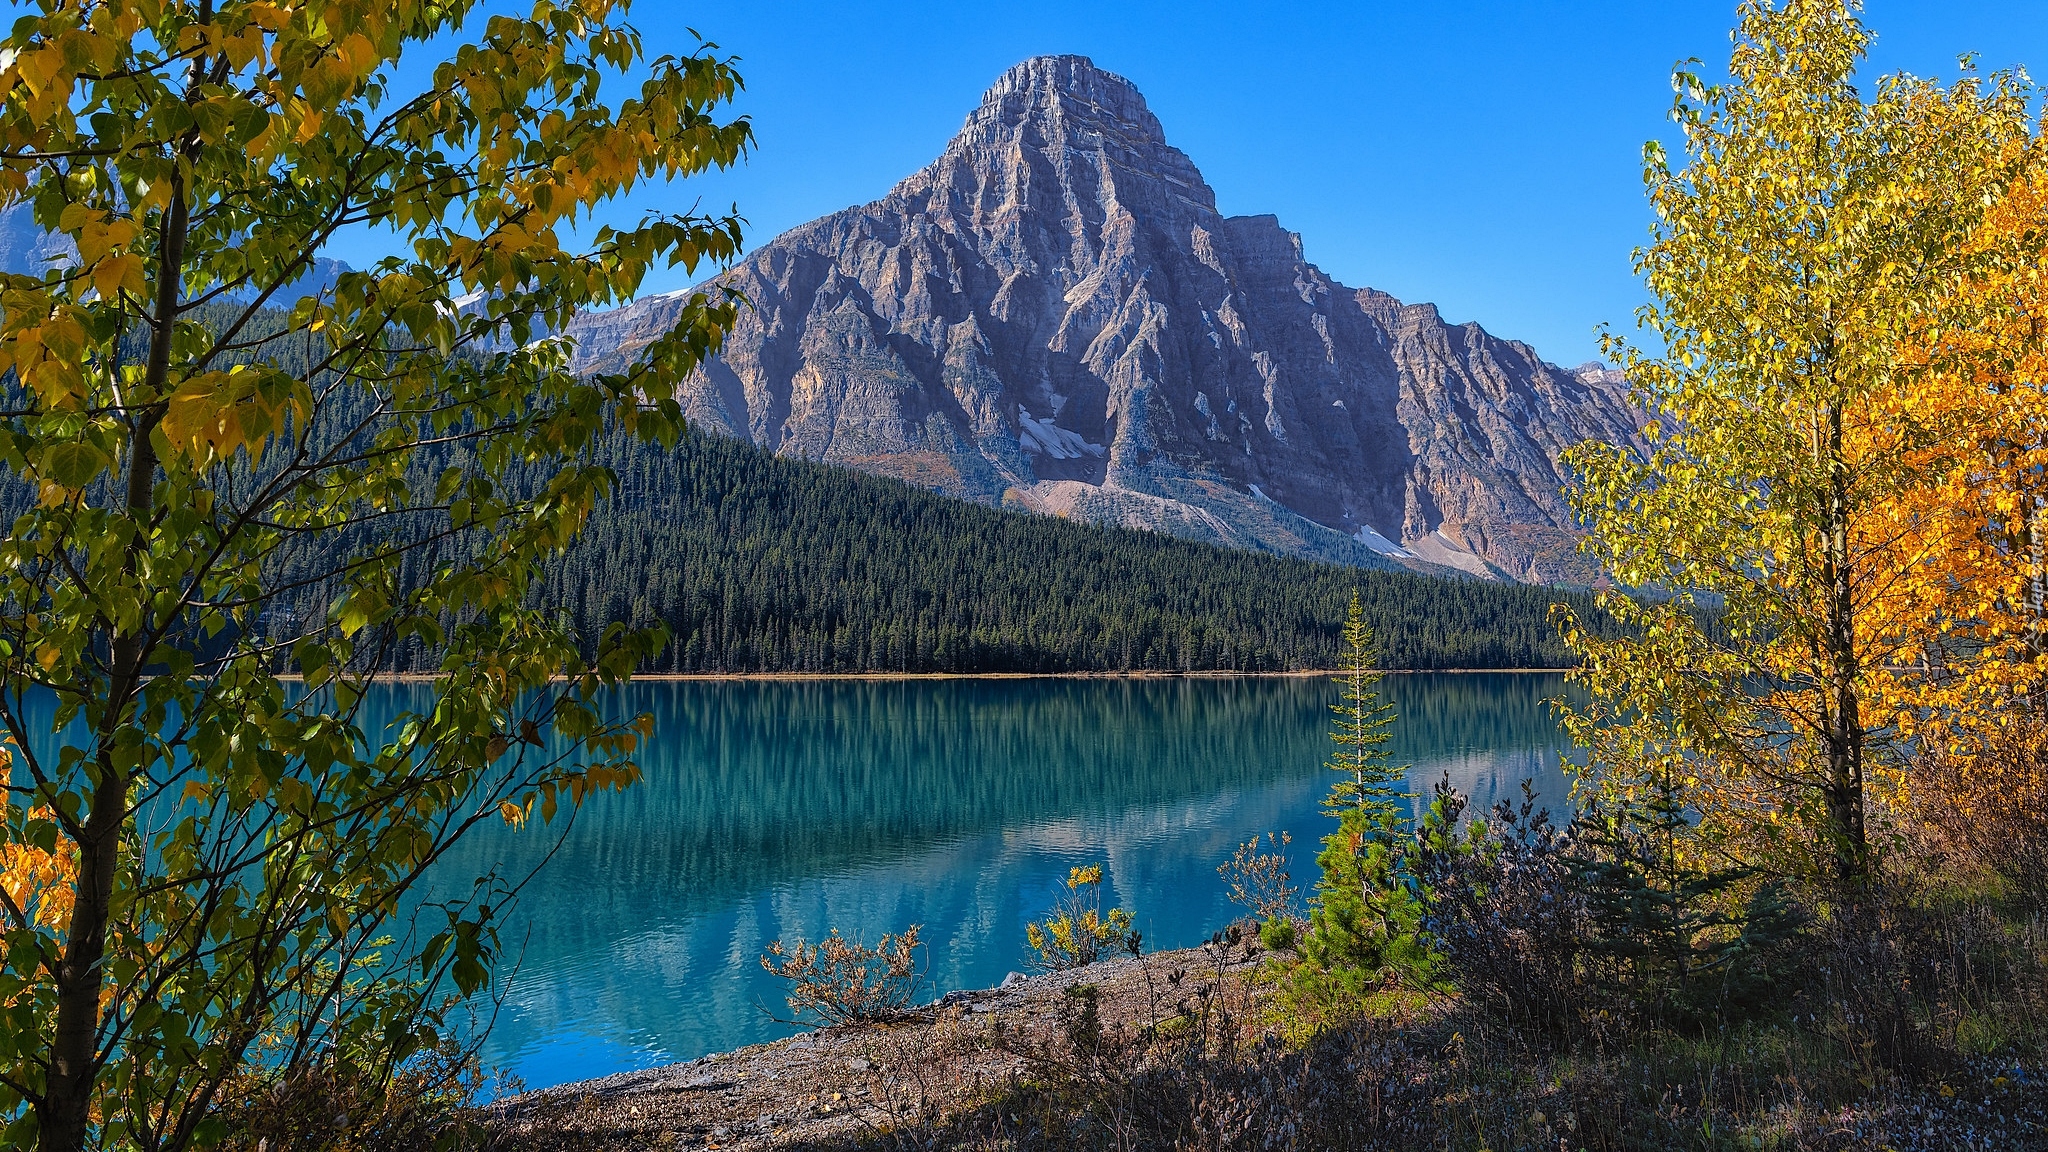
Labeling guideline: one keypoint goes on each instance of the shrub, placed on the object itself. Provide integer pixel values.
(1504, 907)
(840, 981)
(1558, 930)
(1077, 932)
(1261, 881)
(1278, 934)
(427, 1105)
(1975, 811)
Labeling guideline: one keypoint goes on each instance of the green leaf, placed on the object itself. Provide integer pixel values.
(75, 464)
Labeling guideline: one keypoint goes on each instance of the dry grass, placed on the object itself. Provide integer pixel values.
(428, 1105)
(1220, 1048)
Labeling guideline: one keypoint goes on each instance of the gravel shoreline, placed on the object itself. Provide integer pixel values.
(836, 1086)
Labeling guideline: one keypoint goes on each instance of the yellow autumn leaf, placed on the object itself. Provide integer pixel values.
(116, 274)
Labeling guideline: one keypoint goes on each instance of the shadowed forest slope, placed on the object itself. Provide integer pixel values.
(766, 564)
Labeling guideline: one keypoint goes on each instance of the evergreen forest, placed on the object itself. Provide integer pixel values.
(762, 564)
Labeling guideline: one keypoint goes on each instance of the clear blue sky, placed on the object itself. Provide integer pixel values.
(1482, 155)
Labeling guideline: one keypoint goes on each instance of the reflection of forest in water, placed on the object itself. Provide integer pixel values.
(749, 783)
(781, 808)
(772, 809)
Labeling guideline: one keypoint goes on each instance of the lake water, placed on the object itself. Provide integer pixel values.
(782, 809)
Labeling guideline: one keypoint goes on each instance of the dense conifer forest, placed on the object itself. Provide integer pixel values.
(763, 564)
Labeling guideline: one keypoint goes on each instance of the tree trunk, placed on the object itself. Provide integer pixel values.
(64, 1113)
(1842, 727)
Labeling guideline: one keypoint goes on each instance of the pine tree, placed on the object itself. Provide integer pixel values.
(1672, 923)
(1367, 907)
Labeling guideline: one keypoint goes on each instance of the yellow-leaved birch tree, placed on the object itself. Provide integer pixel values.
(1808, 230)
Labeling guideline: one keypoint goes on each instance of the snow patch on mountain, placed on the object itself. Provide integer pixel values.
(1049, 439)
(1378, 543)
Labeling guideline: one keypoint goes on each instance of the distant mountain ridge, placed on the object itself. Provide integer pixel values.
(1053, 316)
(27, 250)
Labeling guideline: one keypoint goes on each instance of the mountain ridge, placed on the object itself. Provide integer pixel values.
(27, 250)
(1053, 316)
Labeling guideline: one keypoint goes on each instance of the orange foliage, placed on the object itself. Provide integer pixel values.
(1962, 614)
(40, 884)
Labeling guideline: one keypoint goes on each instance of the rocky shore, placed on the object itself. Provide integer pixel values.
(838, 1087)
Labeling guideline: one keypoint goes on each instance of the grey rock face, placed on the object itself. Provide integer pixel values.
(26, 250)
(1053, 316)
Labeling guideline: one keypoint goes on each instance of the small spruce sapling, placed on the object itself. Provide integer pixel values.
(1672, 924)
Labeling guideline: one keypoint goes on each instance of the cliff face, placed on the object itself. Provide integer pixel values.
(1054, 316)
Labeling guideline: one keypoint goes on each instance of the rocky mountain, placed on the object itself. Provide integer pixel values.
(1053, 316)
(26, 250)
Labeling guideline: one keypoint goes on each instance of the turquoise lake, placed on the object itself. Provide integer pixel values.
(782, 809)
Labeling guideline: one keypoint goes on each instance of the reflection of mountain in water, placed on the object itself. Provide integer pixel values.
(775, 809)
(754, 782)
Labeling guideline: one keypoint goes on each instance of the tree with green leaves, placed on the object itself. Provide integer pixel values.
(1808, 230)
(213, 846)
(1367, 912)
